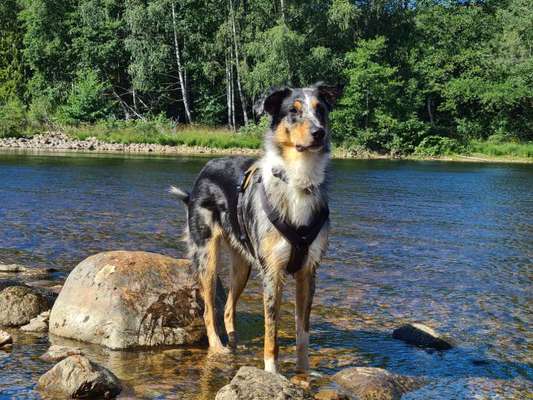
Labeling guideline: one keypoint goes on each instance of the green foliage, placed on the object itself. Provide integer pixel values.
(438, 146)
(458, 70)
(87, 101)
(256, 130)
(496, 149)
(164, 132)
(12, 118)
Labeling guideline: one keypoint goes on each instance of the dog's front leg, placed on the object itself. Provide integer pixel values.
(272, 289)
(305, 290)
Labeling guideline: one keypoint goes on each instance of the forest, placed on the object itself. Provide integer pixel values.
(426, 76)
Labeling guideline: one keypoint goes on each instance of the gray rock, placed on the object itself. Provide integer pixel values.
(422, 336)
(77, 377)
(5, 339)
(37, 324)
(255, 384)
(19, 304)
(57, 353)
(123, 299)
(375, 383)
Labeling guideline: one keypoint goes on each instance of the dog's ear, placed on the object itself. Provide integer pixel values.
(329, 94)
(271, 103)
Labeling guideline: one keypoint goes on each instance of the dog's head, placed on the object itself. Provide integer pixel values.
(299, 119)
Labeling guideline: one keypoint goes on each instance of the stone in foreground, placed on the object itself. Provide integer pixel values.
(422, 336)
(77, 377)
(12, 268)
(255, 384)
(375, 383)
(5, 339)
(123, 299)
(37, 324)
(57, 353)
(19, 304)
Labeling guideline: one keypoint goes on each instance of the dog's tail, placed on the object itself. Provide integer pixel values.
(180, 194)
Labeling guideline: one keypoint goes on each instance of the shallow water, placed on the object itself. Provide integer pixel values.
(446, 244)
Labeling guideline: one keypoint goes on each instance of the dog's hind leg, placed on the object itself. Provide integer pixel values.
(305, 289)
(207, 258)
(239, 274)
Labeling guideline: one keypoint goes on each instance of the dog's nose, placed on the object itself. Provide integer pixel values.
(319, 134)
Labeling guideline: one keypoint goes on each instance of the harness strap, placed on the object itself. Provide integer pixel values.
(301, 237)
(243, 232)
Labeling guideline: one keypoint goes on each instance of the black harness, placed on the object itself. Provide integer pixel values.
(300, 237)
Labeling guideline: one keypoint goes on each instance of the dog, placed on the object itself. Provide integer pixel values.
(272, 213)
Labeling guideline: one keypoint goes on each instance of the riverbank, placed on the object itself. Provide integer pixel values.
(210, 143)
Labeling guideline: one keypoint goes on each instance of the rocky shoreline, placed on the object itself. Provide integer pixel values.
(61, 142)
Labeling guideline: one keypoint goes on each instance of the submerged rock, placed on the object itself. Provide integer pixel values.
(77, 377)
(37, 324)
(19, 304)
(375, 383)
(123, 299)
(255, 384)
(57, 353)
(5, 339)
(330, 394)
(422, 336)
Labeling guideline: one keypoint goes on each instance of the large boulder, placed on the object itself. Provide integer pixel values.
(78, 378)
(368, 383)
(422, 336)
(255, 384)
(20, 303)
(123, 299)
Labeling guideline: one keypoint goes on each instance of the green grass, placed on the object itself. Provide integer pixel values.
(502, 149)
(165, 134)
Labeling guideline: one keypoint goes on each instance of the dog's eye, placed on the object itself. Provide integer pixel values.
(293, 110)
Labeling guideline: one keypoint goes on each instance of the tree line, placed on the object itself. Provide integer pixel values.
(430, 72)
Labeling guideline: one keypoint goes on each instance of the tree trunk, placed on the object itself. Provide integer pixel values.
(237, 69)
(282, 5)
(430, 113)
(228, 90)
(180, 69)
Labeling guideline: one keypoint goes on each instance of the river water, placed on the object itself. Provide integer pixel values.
(446, 244)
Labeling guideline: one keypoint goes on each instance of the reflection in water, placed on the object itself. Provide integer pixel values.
(446, 244)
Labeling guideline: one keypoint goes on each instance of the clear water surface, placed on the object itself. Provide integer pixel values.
(446, 244)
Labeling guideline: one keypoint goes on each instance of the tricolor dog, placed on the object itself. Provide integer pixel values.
(272, 213)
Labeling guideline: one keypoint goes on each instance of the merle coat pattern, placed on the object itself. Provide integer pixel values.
(293, 171)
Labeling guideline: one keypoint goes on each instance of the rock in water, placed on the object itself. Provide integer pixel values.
(375, 383)
(57, 353)
(12, 268)
(255, 384)
(77, 377)
(37, 324)
(422, 336)
(19, 304)
(123, 299)
(5, 339)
